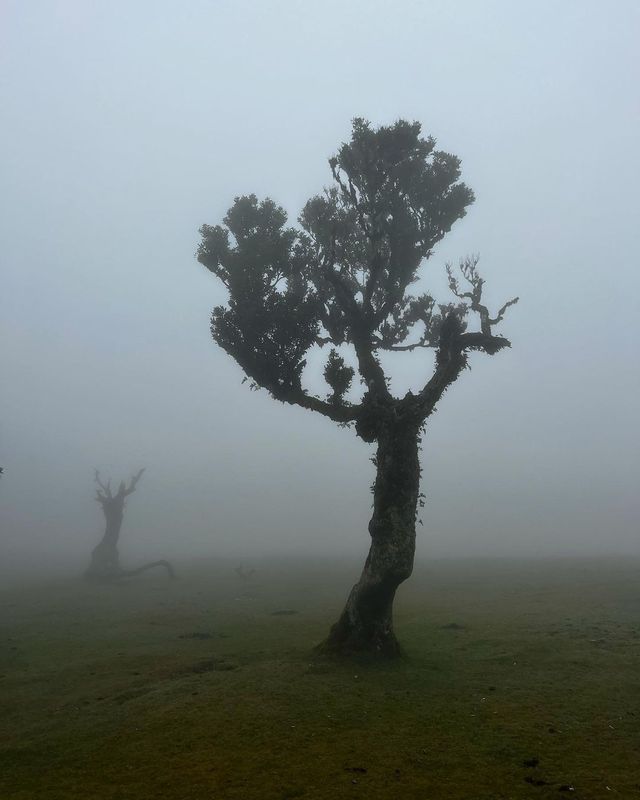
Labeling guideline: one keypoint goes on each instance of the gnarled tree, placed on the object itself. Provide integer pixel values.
(343, 278)
(105, 559)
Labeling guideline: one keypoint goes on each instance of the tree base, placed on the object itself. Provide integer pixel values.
(346, 640)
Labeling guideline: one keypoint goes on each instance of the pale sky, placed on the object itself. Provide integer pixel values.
(127, 125)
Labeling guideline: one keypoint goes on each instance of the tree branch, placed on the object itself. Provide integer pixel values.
(480, 341)
(103, 493)
(338, 412)
(130, 489)
(343, 295)
(468, 269)
(424, 342)
(368, 365)
(451, 359)
(500, 315)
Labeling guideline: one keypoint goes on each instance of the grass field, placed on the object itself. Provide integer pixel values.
(520, 680)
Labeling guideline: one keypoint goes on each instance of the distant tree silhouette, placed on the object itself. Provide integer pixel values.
(343, 278)
(105, 559)
(243, 573)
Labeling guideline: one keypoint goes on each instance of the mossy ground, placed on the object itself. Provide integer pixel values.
(105, 694)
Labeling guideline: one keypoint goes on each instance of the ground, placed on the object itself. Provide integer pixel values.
(519, 680)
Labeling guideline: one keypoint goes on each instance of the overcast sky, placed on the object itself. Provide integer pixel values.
(126, 125)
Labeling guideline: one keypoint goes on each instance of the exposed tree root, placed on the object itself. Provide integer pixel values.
(129, 573)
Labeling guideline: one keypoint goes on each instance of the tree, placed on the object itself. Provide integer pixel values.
(105, 559)
(343, 278)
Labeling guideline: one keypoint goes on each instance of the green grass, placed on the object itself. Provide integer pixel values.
(101, 698)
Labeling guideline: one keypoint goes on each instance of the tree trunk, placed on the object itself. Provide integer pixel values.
(105, 560)
(366, 624)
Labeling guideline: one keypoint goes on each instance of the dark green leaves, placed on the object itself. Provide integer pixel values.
(261, 257)
(268, 337)
(395, 198)
(271, 319)
(338, 375)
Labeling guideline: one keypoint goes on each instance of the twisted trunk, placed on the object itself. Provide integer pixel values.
(366, 624)
(105, 560)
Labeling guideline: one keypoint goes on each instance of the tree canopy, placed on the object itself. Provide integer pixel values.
(344, 275)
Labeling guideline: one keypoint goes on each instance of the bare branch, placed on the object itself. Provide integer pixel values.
(500, 315)
(130, 489)
(469, 271)
(105, 488)
(408, 348)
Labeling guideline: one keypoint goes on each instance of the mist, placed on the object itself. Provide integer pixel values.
(127, 126)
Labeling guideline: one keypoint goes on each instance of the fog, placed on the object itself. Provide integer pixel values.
(128, 125)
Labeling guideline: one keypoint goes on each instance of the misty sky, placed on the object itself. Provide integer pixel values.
(126, 125)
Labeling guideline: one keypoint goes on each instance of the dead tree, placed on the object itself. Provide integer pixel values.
(105, 559)
(243, 573)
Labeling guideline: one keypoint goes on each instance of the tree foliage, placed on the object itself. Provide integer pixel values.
(343, 277)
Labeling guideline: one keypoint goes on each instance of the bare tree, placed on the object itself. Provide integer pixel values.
(105, 559)
(243, 573)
